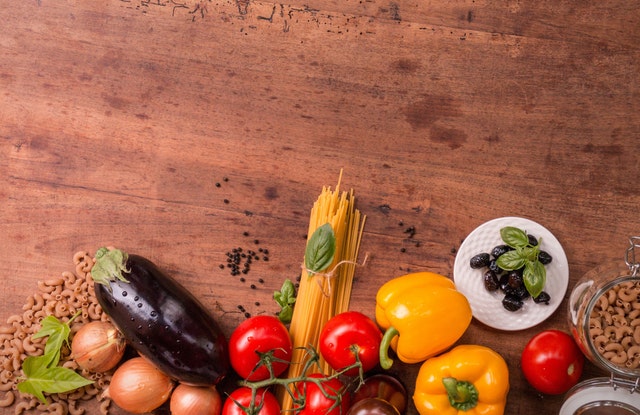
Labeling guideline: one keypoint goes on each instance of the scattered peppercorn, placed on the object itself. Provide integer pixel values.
(239, 260)
(384, 208)
(411, 230)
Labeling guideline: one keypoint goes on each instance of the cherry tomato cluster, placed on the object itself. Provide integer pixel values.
(260, 351)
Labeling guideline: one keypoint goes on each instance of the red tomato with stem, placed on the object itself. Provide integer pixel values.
(347, 335)
(239, 403)
(326, 397)
(258, 343)
(552, 362)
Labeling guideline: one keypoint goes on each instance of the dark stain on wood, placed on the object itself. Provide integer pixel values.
(405, 65)
(271, 193)
(431, 108)
(452, 137)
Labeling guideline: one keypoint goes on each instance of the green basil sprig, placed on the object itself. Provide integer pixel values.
(318, 255)
(524, 255)
(286, 299)
(42, 373)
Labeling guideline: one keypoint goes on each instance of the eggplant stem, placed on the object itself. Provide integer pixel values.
(110, 265)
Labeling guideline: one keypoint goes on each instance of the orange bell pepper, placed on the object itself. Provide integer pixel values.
(468, 380)
(422, 314)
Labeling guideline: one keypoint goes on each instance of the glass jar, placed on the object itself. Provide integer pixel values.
(604, 317)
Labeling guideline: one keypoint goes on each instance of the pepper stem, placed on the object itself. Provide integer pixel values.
(462, 395)
(385, 361)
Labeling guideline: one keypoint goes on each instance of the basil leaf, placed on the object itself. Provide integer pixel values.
(49, 325)
(58, 333)
(514, 237)
(320, 249)
(286, 314)
(42, 379)
(510, 260)
(534, 276)
(285, 298)
(530, 253)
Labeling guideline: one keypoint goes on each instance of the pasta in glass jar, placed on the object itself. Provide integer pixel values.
(604, 317)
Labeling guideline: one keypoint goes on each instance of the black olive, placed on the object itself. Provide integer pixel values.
(480, 260)
(533, 241)
(544, 297)
(515, 279)
(544, 257)
(512, 303)
(503, 280)
(499, 250)
(491, 282)
(519, 292)
(493, 266)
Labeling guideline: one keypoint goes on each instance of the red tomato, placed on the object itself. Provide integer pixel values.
(373, 406)
(258, 342)
(336, 401)
(239, 403)
(552, 362)
(382, 387)
(349, 333)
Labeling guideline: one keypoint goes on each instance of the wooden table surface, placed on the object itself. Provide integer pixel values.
(171, 128)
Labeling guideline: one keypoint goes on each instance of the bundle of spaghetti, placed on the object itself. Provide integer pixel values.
(328, 293)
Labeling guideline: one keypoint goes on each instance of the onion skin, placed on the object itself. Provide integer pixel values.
(137, 386)
(195, 400)
(98, 346)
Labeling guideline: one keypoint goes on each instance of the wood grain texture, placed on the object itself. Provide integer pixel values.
(118, 120)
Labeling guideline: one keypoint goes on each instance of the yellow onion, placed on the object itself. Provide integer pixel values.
(195, 400)
(98, 346)
(138, 387)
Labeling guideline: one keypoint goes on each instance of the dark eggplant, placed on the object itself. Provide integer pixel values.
(160, 318)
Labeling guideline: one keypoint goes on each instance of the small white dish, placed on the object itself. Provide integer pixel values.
(487, 306)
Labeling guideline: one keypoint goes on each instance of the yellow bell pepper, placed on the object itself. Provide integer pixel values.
(422, 314)
(468, 380)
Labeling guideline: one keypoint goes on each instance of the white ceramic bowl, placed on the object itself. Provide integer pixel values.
(487, 306)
